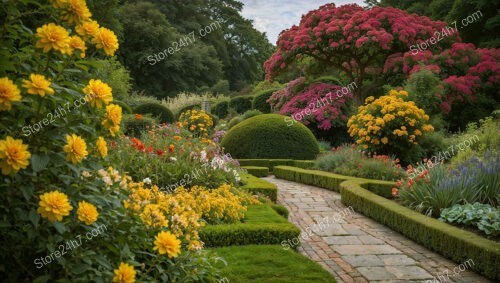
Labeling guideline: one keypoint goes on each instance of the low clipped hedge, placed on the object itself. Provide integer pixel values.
(259, 101)
(241, 104)
(134, 128)
(257, 171)
(221, 109)
(255, 185)
(262, 226)
(163, 114)
(269, 136)
(361, 194)
(270, 163)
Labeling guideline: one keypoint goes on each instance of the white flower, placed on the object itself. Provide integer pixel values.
(86, 174)
(203, 155)
(107, 180)
(102, 173)
(173, 159)
(147, 181)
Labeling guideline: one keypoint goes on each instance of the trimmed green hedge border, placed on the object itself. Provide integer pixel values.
(447, 240)
(257, 171)
(271, 163)
(255, 185)
(268, 229)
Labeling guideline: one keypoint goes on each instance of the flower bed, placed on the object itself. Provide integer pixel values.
(450, 241)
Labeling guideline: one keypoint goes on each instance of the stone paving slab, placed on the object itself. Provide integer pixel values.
(355, 248)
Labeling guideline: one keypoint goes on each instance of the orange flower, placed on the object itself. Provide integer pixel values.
(171, 148)
(394, 192)
(138, 116)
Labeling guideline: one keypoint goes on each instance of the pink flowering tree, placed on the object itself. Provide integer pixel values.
(355, 42)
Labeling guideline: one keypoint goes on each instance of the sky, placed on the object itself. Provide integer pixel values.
(273, 16)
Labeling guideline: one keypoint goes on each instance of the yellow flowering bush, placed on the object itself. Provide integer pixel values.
(389, 124)
(196, 121)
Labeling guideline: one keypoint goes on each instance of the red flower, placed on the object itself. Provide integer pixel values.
(149, 149)
(160, 152)
(394, 192)
(171, 148)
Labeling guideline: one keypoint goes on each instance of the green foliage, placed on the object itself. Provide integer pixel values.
(483, 216)
(281, 210)
(483, 136)
(135, 127)
(266, 263)
(241, 103)
(258, 186)
(135, 99)
(235, 121)
(328, 80)
(116, 76)
(269, 136)
(260, 100)
(157, 110)
(257, 171)
(424, 88)
(262, 225)
(221, 87)
(348, 161)
(221, 109)
(126, 109)
(265, 86)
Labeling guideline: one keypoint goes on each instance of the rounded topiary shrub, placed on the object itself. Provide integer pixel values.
(260, 100)
(126, 109)
(241, 103)
(270, 136)
(159, 111)
(133, 127)
(221, 109)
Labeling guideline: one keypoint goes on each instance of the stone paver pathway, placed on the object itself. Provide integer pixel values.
(356, 248)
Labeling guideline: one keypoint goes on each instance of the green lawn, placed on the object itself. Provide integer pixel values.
(269, 263)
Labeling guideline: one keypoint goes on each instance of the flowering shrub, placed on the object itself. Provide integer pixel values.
(61, 219)
(440, 187)
(350, 161)
(170, 156)
(197, 121)
(389, 124)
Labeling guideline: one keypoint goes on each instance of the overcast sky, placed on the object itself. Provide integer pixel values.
(273, 16)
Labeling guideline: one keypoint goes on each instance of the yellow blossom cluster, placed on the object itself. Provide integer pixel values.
(52, 36)
(388, 119)
(197, 121)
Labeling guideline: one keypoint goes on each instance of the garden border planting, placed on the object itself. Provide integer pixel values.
(452, 242)
(263, 226)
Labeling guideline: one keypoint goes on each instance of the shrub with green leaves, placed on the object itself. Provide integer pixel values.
(241, 103)
(157, 110)
(269, 136)
(260, 100)
(221, 109)
(134, 127)
(350, 161)
(483, 216)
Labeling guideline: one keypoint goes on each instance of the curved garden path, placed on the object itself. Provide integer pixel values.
(356, 248)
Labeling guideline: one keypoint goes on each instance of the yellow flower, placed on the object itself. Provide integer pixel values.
(107, 40)
(87, 212)
(8, 93)
(102, 147)
(87, 29)
(384, 140)
(177, 138)
(153, 216)
(113, 118)
(124, 274)
(99, 93)
(52, 36)
(166, 243)
(76, 149)
(76, 11)
(54, 205)
(14, 155)
(38, 84)
(76, 43)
